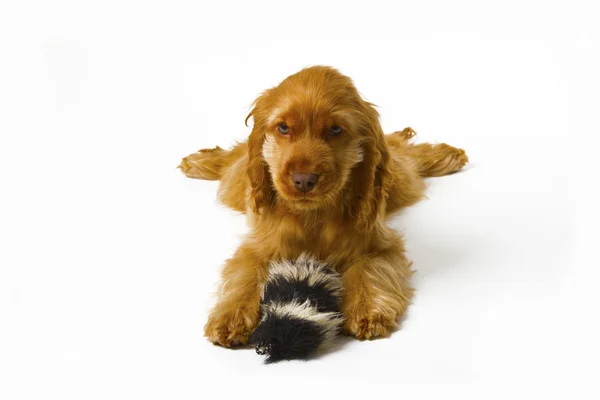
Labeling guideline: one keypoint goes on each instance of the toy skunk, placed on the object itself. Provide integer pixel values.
(300, 309)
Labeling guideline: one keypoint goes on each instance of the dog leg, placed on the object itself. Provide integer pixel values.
(437, 159)
(211, 164)
(377, 292)
(204, 164)
(237, 312)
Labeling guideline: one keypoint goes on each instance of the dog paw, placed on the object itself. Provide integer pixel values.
(204, 164)
(231, 327)
(406, 133)
(213, 150)
(457, 158)
(369, 326)
(184, 166)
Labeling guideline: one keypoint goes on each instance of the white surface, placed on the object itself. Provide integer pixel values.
(109, 255)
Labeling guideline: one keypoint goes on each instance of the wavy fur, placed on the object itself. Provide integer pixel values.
(364, 176)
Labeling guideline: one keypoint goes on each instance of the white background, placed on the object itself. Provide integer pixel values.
(109, 255)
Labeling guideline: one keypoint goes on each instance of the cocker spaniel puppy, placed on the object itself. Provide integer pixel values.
(318, 175)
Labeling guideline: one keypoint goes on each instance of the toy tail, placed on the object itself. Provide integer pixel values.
(300, 305)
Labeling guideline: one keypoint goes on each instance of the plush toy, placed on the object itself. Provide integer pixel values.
(300, 309)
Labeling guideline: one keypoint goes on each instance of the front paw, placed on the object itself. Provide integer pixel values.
(364, 324)
(231, 325)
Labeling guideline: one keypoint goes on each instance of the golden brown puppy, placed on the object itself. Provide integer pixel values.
(318, 175)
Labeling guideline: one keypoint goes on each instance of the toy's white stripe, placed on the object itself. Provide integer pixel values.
(328, 322)
(306, 267)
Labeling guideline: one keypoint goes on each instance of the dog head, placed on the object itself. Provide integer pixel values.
(315, 144)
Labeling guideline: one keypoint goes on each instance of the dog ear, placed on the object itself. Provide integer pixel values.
(370, 179)
(261, 193)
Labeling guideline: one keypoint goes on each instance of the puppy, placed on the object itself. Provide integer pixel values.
(317, 175)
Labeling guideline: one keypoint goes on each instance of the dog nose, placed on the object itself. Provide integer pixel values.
(305, 182)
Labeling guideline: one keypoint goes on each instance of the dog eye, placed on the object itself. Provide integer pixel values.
(335, 130)
(283, 129)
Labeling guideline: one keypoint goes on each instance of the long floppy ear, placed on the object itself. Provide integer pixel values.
(261, 193)
(372, 177)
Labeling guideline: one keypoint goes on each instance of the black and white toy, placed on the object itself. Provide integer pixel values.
(300, 306)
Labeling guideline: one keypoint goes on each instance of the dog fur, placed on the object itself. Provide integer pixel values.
(363, 177)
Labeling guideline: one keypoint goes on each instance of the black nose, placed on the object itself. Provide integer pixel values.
(305, 182)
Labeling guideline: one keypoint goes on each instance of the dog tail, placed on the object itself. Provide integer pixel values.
(430, 159)
(210, 164)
